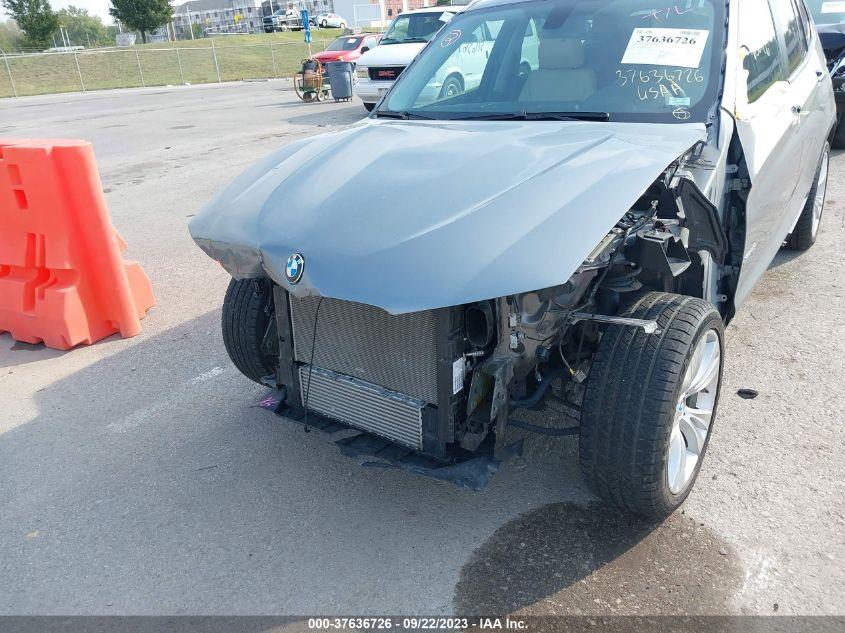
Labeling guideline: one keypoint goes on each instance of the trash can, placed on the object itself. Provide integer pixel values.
(340, 79)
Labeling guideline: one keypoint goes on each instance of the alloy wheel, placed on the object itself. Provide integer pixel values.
(694, 412)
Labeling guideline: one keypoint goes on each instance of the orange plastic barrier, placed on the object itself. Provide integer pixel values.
(62, 277)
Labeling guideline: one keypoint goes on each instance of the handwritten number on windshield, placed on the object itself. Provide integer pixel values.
(664, 14)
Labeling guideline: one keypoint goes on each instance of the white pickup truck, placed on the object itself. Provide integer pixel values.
(378, 68)
(406, 36)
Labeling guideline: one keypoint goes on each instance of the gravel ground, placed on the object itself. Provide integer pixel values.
(138, 476)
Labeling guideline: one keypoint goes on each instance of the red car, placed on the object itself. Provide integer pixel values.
(348, 48)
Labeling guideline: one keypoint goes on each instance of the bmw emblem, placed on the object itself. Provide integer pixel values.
(294, 268)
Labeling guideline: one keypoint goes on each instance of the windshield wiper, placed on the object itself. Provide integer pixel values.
(404, 115)
(409, 40)
(539, 116)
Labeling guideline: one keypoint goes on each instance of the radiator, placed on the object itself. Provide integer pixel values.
(396, 352)
(363, 405)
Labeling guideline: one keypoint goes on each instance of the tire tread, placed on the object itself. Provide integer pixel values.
(244, 322)
(633, 384)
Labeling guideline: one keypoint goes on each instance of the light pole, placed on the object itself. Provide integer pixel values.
(190, 23)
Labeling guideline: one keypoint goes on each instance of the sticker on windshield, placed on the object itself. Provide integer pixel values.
(450, 38)
(666, 47)
(833, 7)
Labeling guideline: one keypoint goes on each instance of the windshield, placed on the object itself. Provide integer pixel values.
(344, 44)
(608, 60)
(414, 27)
(827, 11)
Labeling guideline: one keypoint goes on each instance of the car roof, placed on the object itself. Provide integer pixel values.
(486, 4)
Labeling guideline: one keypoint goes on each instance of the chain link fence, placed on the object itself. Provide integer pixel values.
(42, 73)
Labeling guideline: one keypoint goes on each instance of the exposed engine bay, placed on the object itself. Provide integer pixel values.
(446, 380)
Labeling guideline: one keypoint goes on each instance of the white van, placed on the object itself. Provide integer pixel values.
(406, 36)
(464, 68)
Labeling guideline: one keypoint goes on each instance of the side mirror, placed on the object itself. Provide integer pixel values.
(364, 49)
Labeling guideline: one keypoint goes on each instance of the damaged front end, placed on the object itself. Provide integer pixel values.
(445, 381)
(427, 322)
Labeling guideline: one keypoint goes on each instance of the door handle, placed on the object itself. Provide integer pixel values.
(797, 109)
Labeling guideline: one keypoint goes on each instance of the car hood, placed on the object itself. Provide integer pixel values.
(329, 55)
(391, 54)
(414, 215)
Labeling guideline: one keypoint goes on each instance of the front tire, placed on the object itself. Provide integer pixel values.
(806, 231)
(650, 404)
(248, 315)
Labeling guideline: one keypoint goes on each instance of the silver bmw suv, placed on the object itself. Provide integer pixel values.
(626, 174)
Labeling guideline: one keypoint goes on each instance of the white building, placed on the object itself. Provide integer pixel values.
(215, 16)
(235, 16)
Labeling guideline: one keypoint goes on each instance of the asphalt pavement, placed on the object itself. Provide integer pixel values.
(139, 477)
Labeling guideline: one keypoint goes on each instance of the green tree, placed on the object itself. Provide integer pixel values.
(35, 18)
(142, 15)
(84, 29)
(10, 36)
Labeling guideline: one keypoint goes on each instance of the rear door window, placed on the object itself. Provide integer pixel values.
(789, 24)
(805, 20)
(761, 48)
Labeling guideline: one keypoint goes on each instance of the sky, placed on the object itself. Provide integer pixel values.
(95, 7)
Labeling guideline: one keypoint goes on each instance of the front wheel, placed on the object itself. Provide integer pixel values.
(650, 404)
(249, 326)
(806, 231)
